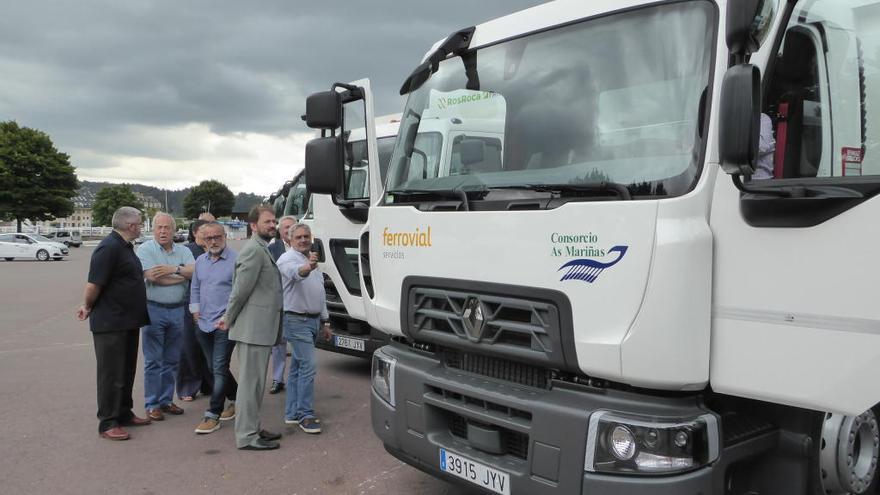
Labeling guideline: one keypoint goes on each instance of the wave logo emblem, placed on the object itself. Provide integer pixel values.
(589, 270)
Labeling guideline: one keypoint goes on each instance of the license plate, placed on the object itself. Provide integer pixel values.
(478, 474)
(349, 343)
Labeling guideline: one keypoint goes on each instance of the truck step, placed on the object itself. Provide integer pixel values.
(739, 428)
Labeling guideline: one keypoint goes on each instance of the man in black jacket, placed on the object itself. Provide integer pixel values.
(279, 246)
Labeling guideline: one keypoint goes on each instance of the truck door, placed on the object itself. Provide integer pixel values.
(338, 219)
(795, 313)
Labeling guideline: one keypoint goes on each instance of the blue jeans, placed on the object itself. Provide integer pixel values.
(218, 351)
(301, 332)
(161, 343)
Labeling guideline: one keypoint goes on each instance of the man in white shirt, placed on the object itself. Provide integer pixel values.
(305, 308)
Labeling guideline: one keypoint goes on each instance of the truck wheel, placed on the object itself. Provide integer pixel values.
(848, 453)
(43, 255)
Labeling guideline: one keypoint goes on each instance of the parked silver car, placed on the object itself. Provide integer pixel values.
(30, 246)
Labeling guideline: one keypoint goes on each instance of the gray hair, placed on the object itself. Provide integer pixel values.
(296, 227)
(213, 224)
(125, 216)
(288, 217)
(163, 214)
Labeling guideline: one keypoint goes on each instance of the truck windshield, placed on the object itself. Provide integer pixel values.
(615, 99)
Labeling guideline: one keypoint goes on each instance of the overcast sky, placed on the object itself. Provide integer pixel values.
(170, 93)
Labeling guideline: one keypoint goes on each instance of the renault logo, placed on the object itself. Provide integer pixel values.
(472, 318)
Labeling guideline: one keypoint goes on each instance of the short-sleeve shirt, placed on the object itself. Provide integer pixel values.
(152, 254)
(122, 302)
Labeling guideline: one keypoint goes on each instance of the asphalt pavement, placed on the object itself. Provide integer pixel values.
(49, 442)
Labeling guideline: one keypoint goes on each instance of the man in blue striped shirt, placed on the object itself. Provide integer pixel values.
(211, 285)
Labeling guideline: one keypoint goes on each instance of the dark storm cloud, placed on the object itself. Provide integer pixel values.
(85, 70)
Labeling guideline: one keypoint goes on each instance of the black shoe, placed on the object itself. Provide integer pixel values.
(260, 444)
(276, 387)
(268, 435)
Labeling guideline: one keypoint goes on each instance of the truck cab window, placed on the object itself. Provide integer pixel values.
(818, 93)
(795, 107)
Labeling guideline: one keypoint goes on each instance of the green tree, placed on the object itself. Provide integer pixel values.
(110, 199)
(37, 182)
(211, 196)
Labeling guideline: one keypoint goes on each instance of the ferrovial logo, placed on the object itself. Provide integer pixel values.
(589, 262)
(416, 238)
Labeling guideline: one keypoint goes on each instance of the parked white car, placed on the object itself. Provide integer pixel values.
(31, 246)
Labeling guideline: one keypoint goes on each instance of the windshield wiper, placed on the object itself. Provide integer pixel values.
(586, 188)
(455, 192)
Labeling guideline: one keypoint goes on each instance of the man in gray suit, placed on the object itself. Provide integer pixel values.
(253, 317)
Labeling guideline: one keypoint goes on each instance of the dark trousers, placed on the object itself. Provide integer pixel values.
(193, 373)
(116, 354)
(218, 351)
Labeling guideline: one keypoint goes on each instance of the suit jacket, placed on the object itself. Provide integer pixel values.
(277, 248)
(255, 303)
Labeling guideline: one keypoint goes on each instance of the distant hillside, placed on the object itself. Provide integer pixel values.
(243, 201)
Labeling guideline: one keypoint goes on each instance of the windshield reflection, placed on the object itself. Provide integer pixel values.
(615, 99)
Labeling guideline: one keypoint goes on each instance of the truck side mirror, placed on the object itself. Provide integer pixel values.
(324, 158)
(739, 125)
(324, 110)
(741, 16)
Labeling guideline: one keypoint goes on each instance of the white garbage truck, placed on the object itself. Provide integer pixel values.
(649, 265)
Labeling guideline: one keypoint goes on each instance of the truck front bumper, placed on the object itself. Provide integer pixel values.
(543, 433)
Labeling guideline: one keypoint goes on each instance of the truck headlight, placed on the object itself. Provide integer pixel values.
(383, 376)
(642, 445)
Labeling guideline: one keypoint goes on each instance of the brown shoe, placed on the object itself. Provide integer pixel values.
(208, 425)
(172, 408)
(116, 433)
(155, 415)
(228, 413)
(136, 421)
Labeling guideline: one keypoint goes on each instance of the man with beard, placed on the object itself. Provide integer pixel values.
(211, 285)
(193, 373)
(253, 318)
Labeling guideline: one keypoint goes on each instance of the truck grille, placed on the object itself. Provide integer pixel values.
(519, 324)
(501, 369)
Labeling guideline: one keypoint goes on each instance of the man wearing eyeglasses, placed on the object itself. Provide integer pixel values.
(116, 299)
(209, 294)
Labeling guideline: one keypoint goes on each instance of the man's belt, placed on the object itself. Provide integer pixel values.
(297, 313)
(166, 305)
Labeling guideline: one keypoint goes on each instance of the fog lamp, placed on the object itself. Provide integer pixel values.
(383, 376)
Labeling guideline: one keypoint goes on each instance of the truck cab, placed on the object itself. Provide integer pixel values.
(610, 299)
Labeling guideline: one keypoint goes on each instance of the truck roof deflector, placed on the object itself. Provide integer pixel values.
(457, 43)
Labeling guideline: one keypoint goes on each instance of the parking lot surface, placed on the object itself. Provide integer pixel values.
(48, 431)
